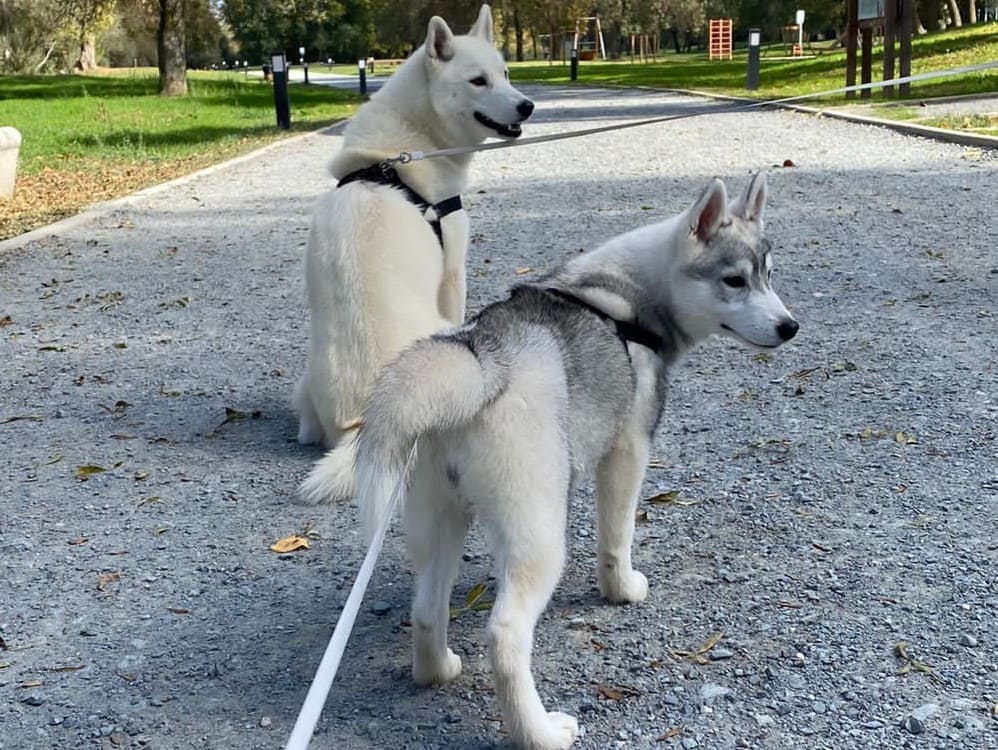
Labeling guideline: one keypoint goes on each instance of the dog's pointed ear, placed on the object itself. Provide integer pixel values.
(710, 212)
(483, 26)
(439, 40)
(751, 205)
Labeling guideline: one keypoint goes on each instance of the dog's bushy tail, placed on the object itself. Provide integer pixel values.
(331, 478)
(437, 384)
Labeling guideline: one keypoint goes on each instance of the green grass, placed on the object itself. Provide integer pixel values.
(789, 77)
(122, 118)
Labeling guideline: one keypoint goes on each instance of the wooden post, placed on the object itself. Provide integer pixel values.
(852, 28)
(890, 35)
(907, 26)
(866, 53)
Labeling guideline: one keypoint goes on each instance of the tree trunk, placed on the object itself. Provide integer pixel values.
(88, 56)
(971, 16)
(954, 14)
(170, 48)
(931, 13)
(518, 29)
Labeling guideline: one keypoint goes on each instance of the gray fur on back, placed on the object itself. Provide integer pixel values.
(597, 368)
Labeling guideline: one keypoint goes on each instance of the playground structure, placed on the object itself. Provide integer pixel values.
(719, 39)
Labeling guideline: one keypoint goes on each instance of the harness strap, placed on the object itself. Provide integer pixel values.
(385, 174)
(626, 330)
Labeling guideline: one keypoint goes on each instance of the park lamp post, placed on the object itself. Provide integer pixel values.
(282, 106)
(303, 61)
(362, 76)
(752, 79)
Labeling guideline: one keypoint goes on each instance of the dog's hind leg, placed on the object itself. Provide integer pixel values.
(309, 427)
(530, 542)
(618, 482)
(435, 529)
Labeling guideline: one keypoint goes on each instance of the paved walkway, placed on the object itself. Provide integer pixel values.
(835, 498)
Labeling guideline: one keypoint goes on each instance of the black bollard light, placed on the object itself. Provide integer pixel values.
(574, 64)
(362, 73)
(752, 80)
(279, 71)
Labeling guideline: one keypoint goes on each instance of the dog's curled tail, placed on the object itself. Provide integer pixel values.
(437, 384)
(331, 479)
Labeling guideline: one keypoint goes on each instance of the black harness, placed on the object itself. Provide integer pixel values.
(626, 330)
(385, 174)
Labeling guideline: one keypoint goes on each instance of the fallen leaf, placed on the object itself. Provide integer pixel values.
(67, 668)
(668, 734)
(902, 438)
(78, 541)
(616, 693)
(83, 473)
(20, 417)
(159, 531)
(53, 459)
(178, 610)
(474, 601)
(290, 544)
(105, 578)
(31, 683)
(523, 271)
(663, 498)
(5, 321)
(148, 500)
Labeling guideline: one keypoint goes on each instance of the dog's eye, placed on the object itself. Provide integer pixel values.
(735, 282)
(479, 81)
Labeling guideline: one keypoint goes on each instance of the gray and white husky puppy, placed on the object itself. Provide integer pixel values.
(564, 379)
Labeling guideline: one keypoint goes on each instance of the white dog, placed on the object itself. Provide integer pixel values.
(565, 379)
(385, 262)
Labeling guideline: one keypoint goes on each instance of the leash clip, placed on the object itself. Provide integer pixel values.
(387, 170)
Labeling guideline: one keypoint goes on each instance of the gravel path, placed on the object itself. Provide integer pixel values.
(834, 500)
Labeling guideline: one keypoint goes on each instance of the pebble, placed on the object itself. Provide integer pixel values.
(915, 721)
(381, 607)
(966, 639)
(266, 722)
(711, 690)
(689, 743)
(819, 707)
(717, 654)
(33, 700)
(913, 725)
(764, 720)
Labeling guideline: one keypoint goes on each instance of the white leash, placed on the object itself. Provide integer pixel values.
(409, 156)
(308, 716)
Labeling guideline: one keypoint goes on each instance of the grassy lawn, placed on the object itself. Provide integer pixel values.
(780, 77)
(88, 138)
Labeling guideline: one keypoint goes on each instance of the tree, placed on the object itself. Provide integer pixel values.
(88, 18)
(170, 48)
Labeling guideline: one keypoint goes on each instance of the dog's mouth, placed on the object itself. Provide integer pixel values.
(511, 130)
(748, 341)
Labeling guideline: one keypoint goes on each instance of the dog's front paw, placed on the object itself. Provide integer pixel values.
(437, 672)
(558, 732)
(623, 587)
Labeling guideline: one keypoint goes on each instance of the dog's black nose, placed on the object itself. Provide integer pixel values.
(787, 329)
(525, 108)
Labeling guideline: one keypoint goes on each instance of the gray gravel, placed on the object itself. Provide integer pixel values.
(836, 499)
